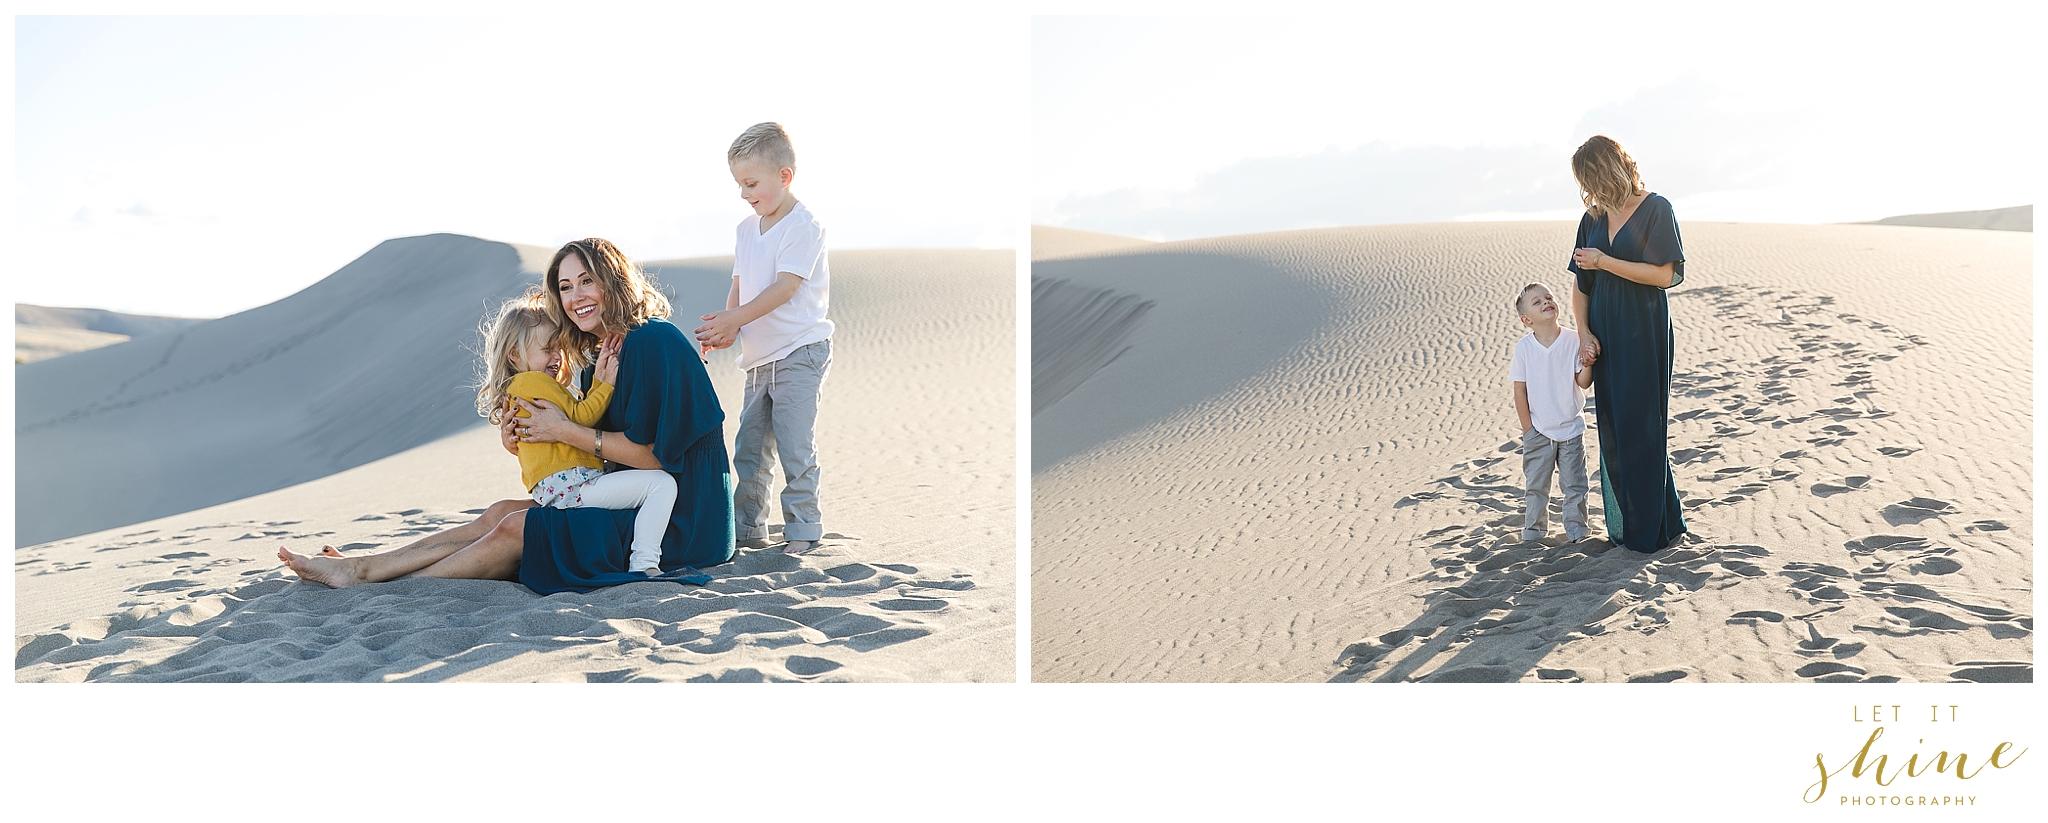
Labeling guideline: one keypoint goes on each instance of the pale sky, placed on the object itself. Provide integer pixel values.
(1170, 128)
(199, 166)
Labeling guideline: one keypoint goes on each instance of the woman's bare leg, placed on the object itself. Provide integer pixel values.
(494, 557)
(340, 572)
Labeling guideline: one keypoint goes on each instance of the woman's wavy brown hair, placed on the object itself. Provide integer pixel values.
(1607, 175)
(630, 298)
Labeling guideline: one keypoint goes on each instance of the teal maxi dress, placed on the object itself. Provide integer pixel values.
(1632, 378)
(663, 398)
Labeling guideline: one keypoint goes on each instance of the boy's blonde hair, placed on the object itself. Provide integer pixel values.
(1607, 175)
(630, 298)
(521, 324)
(1524, 295)
(763, 141)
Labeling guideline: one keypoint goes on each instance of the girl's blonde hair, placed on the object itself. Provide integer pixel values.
(1607, 175)
(521, 324)
(630, 298)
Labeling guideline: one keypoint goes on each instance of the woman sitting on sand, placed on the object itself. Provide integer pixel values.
(663, 415)
(1627, 253)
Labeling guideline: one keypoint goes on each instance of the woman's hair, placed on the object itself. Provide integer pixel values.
(521, 324)
(630, 298)
(1607, 175)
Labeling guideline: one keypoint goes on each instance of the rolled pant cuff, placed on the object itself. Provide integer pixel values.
(812, 532)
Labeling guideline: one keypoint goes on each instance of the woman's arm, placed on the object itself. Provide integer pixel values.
(1589, 346)
(549, 425)
(1644, 273)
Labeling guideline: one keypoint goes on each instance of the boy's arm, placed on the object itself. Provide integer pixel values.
(1584, 377)
(1522, 404)
(720, 328)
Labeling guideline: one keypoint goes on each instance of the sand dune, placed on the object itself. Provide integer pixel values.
(913, 582)
(1053, 243)
(366, 363)
(2015, 218)
(1300, 467)
(35, 343)
(43, 332)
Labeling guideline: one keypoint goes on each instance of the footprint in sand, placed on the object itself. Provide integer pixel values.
(1840, 485)
(1915, 510)
(1994, 672)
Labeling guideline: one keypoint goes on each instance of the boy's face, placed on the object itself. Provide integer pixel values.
(1538, 306)
(763, 188)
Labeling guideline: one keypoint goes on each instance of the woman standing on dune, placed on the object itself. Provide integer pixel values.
(1626, 255)
(663, 415)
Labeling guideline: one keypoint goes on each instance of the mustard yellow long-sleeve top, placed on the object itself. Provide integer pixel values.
(538, 460)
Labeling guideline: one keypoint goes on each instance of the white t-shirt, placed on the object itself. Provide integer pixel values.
(796, 245)
(1555, 399)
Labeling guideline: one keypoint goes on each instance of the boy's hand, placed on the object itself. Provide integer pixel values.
(608, 359)
(1589, 348)
(719, 329)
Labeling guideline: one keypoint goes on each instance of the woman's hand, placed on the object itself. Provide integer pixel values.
(608, 359)
(1588, 259)
(508, 428)
(547, 425)
(1589, 347)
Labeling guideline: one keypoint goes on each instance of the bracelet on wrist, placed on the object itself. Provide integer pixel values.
(597, 449)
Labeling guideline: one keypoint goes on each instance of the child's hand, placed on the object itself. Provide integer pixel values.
(718, 331)
(608, 359)
(1589, 348)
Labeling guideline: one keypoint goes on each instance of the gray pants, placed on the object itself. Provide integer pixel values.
(1539, 456)
(780, 416)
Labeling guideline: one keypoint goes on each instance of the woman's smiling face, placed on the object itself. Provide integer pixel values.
(581, 297)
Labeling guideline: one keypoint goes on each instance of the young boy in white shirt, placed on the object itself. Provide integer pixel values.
(776, 312)
(1550, 398)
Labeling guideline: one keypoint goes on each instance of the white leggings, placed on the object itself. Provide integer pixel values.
(654, 492)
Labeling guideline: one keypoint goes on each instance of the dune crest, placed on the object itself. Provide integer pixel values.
(2015, 218)
(1052, 243)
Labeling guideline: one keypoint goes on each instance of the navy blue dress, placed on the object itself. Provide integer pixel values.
(663, 397)
(1632, 378)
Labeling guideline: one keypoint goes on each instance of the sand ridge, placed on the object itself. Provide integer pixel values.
(1347, 496)
(2013, 218)
(913, 581)
(1052, 243)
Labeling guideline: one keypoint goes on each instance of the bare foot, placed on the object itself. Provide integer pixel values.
(332, 571)
(798, 546)
(329, 551)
